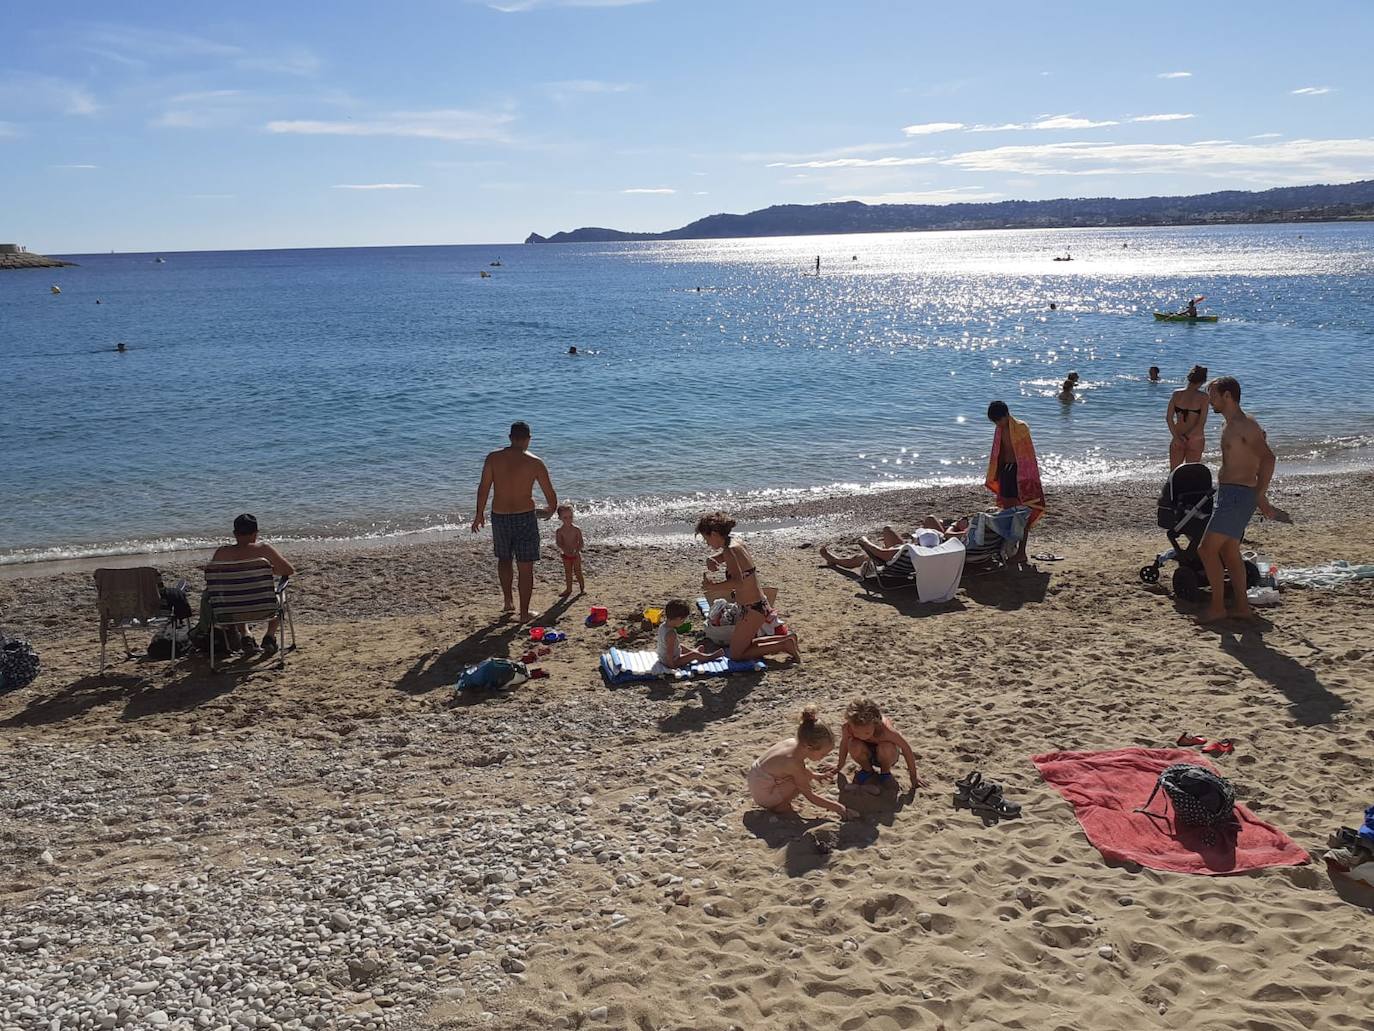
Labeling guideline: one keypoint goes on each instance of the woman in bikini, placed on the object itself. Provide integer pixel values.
(742, 580)
(1187, 419)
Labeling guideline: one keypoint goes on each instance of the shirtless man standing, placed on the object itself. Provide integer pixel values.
(512, 473)
(1247, 465)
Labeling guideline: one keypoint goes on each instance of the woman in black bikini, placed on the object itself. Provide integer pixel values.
(742, 579)
(1187, 418)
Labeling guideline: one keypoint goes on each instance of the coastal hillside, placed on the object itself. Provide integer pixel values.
(1285, 204)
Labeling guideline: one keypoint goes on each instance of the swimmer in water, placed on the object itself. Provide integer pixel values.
(121, 347)
(1154, 373)
(1066, 391)
(1053, 306)
(572, 351)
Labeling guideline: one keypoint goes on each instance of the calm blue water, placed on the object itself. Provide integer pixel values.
(352, 392)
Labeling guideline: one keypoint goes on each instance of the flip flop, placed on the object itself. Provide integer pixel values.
(862, 777)
(1047, 557)
(1185, 739)
(1223, 747)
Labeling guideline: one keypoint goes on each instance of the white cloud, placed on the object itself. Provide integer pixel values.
(1162, 118)
(956, 195)
(1267, 136)
(926, 128)
(1174, 75)
(434, 125)
(140, 48)
(211, 94)
(76, 166)
(649, 189)
(1294, 160)
(44, 94)
(1045, 123)
(1313, 91)
(377, 186)
(885, 162)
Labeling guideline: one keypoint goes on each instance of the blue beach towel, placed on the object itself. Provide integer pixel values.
(625, 667)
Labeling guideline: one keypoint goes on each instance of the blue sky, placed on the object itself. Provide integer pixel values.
(141, 126)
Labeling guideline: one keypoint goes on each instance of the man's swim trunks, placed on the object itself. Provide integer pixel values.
(515, 536)
(1231, 511)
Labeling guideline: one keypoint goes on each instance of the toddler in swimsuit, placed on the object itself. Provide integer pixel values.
(670, 650)
(780, 774)
(868, 739)
(568, 538)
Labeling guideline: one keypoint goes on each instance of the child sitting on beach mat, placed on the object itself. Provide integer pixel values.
(670, 650)
(868, 739)
(780, 774)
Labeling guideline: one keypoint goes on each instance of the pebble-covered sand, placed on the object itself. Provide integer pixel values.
(347, 845)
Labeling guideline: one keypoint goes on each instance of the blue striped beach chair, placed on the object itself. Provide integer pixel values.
(247, 592)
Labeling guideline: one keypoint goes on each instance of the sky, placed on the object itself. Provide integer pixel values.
(194, 126)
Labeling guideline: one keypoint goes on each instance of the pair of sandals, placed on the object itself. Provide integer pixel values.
(868, 776)
(984, 796)
(1225, 746)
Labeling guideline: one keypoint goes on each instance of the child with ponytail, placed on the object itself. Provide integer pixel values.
(780, 774)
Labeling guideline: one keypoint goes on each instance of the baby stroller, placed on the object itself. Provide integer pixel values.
(1185, 505)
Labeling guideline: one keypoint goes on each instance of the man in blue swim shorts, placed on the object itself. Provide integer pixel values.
(509, 476)
(1247, 465)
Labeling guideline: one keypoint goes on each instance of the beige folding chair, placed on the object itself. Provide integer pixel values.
(131, 599)
(247, 592)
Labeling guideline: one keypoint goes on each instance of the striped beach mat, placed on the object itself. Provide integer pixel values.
(626, 667)
(242, 592)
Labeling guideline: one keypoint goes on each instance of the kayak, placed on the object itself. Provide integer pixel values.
(1171, 317)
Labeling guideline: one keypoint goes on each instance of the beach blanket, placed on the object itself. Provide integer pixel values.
(1029, 490)
(624, 667)
(1105, 787)
(1328, 575)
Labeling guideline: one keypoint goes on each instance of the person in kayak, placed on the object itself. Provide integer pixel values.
(1190, 309)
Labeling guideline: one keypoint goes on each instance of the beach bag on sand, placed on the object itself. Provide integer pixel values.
(1200, 798)
(160, 647)
(493, 675)
(18, 664)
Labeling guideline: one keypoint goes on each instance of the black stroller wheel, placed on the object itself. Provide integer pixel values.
(1149, 574)
(1186, 584)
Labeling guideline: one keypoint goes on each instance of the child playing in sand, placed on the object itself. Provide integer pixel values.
(869, 739)
(670, 650)
(568, 538)
(780, 774)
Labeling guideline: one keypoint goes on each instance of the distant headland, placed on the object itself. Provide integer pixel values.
(14, 256)
(1285, 204)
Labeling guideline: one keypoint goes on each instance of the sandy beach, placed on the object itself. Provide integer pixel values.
(347, 845)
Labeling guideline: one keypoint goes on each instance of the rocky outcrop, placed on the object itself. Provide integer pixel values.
(24, 259)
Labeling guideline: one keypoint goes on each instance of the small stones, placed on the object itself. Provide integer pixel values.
(340, 921)
(599, 1013)
(817, 904)
(46, 858)
(926, 920)
(1126, 900)
(1106, 951)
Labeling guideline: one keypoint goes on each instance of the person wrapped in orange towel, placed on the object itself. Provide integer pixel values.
(1013, 472)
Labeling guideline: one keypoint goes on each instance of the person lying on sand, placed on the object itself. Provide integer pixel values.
(932, 534)
(868, 738)
(780, 774)
(670, 650)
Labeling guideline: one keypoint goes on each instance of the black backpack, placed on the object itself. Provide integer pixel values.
(18, 664)
(1200, 798)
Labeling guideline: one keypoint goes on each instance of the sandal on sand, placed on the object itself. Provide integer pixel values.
(1185, 739)
(988, 797)
(1223, 747)
(968, 783)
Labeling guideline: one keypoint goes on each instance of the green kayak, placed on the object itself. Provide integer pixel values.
(1170, 317)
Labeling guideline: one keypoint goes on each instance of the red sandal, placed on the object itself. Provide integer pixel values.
(1186, 739)
(1223, 747)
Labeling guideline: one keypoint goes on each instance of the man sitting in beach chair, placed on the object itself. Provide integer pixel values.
(246, 547)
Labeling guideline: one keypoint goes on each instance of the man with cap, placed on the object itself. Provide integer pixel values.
(247, 546)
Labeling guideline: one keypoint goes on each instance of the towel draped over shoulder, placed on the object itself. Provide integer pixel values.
(1031, 493)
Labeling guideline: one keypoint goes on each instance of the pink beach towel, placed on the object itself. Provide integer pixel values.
(1105, 788)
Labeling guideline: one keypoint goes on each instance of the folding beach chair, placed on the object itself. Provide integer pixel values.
(898, 574)
(993, 537)
(131, 599)
(247, 592)
(933, 571)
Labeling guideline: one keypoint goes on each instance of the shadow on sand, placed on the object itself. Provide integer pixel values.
(720, 697)
(436, 669)
(147, 693)
(1309, 700)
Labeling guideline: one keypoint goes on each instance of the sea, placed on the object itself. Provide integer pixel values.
(350, 394)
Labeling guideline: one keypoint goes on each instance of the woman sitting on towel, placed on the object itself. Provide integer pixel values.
(742, 579)
(932, 534)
